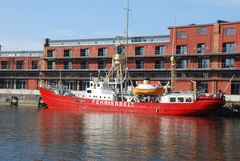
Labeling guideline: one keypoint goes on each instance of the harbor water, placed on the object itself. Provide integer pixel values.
(30, 134)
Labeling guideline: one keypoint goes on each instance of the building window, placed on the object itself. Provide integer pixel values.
(5, 65)
(228, 63)
(120, 49)
(159, 50)
(84, 65)
(205, 75)
(159, 64)
(228, 47)
(34, 64)
(235, 87)
(5, 84)
(204, 63)
(181, 49)
(102, 52)
(181, 34)
(139, 50)
(68, 84)
(53, 83)
(67, 65)
(139, 39)
(202, 30)
(20, 84)
(139, 64)
(201, 48)
(20, 64)
(229, 31)
(50, 53)
(182, 63)
(84, 52)
(83, 85)
(202, 86)
(172, 99)
(101, 64)
(50, 65)
(67, 53)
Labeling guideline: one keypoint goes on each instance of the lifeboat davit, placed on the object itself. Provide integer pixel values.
(148, 89)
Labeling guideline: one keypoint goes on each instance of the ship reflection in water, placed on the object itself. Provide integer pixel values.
(70, 135)
(111, 136)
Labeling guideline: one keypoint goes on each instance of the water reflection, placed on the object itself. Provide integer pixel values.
(71, 135)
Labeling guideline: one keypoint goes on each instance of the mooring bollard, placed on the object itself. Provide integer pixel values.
(14, 101)
(41, 104)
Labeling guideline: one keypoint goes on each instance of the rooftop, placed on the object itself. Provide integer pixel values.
(21, 53)
(108, 41)
(207, 24)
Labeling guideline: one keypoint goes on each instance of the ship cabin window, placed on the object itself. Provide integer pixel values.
(180, 99)
(189, 99)
(104, 97)
(91, 84)
(89, 91)
(89, 95)
(172, 99)
(100, 97)
(98, 85)
(108, 97)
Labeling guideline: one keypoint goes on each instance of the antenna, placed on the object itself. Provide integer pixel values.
(127, 26)
(173, 65)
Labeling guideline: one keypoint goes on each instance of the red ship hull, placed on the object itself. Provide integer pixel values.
(202, 106)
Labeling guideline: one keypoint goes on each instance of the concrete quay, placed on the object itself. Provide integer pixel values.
(24, 97)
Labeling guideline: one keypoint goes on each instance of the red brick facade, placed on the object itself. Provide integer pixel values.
(207, 56)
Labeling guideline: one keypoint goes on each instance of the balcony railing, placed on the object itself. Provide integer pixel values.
(106, 41)
(132, 55)
(21, 53)
(224, 65)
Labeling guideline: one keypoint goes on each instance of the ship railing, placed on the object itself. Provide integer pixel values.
(202, 93)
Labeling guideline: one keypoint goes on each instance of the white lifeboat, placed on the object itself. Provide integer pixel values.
(147, 89)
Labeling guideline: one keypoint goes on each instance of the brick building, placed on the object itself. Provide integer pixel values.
(207, 56)
(19, 69)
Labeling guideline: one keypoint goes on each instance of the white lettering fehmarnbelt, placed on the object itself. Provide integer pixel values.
(113, 103)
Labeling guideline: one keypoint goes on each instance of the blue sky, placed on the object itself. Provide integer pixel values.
(26, 23)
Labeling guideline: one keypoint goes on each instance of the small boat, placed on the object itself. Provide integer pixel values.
(147, 89)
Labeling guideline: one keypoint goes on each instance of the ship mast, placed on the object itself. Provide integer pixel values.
(119, 70)
(172, 59)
